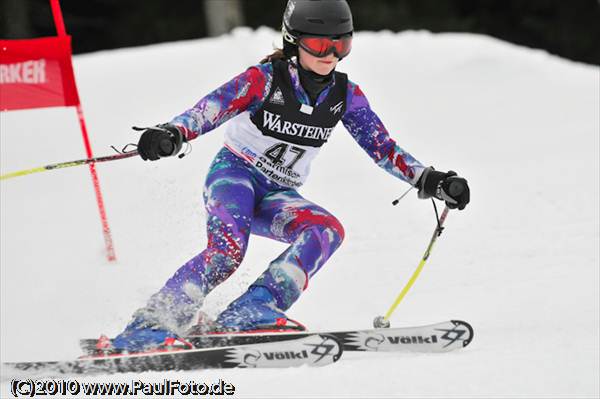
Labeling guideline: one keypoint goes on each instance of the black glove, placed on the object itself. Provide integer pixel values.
(160, 141)
(445, 186)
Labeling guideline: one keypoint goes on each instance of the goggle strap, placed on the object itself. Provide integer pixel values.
(287, 36)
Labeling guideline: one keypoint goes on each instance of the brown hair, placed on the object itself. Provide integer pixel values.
(278, 54)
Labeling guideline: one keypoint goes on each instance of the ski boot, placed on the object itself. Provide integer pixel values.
(255, 310)
(142, 334)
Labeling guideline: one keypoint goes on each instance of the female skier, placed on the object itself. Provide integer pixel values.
(285, 109)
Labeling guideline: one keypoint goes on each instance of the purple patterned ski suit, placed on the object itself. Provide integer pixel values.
(240, 200)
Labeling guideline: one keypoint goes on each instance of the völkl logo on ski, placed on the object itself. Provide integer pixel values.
(373, 341)
(325, 348)
(315, 350)
(454, 335)
(413, 340)
(442, 337)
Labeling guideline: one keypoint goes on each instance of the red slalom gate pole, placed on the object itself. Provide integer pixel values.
(59, 22)
(108, 241)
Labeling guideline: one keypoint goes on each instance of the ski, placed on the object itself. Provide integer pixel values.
(440, 337)
(434, 338)
(309, 350)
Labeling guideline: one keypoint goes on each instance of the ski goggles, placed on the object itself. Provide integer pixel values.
(322, 46)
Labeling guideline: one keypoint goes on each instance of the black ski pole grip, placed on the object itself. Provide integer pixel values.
(166, 147)
(456, 188)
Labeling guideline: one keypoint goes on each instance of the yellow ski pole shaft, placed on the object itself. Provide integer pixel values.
(62, 165)
(383, 321)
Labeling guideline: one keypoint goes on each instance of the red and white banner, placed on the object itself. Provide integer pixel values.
(36, 73)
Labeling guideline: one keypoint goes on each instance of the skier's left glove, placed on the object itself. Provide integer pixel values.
(160, 141)
(445, 186)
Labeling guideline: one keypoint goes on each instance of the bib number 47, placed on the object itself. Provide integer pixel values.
(277, 154)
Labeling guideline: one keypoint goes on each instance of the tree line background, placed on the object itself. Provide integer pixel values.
(570, 29)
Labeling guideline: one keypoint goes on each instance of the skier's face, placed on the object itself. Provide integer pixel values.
(322, 66)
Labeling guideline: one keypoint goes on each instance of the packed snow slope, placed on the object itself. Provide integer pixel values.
(520, 263)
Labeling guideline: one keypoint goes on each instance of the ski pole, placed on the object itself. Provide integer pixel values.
(62, 165)
(455, 189)
(383, 321)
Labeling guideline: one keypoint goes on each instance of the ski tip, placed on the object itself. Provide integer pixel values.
(466, 341)
(329, 345)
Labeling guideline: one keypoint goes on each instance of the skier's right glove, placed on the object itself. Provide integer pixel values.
(160, 141)
(445, 186)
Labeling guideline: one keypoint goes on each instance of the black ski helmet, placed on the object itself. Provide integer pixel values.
(314, 17)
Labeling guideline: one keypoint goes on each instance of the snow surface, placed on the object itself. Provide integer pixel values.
(520, 264)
